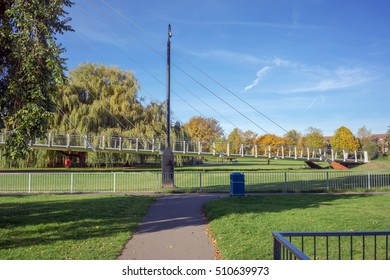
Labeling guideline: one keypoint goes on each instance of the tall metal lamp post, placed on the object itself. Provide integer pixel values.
(167, 163)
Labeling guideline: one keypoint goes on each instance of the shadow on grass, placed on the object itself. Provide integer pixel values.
(243, 226)
(271, 203)
(38, 220)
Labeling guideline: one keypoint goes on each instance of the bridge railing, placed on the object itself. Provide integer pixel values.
(125, 144)
(371, 245)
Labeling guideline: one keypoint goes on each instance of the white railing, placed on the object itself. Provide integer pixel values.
(150, 182)
(138, 145)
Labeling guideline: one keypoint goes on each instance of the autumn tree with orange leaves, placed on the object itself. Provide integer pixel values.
(204, 129)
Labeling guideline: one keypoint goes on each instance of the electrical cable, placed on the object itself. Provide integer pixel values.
(146, 70)
(194, 66)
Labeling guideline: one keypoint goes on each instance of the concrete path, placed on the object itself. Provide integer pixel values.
(173, 229)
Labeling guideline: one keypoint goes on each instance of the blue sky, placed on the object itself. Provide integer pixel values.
(300, 63)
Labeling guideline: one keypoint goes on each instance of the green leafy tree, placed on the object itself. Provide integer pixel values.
(220, 145)
(97, 97)
(314, 138)
(153, 124)
(367, 141)
(249, 137)
(301, 142)
(343, 139)
(387, 143)
(104, 101)
(235, 139)
(31, 68)
(372, 148)
(292, 137)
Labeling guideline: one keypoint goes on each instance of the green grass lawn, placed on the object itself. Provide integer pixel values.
(242, 226)
(209, 164)
(63, 227)
(248, 164)
(218, 164)
(375, 165)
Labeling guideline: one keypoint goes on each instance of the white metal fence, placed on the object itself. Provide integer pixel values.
(150, 182)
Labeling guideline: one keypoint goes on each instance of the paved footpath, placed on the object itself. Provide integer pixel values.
(173, 229)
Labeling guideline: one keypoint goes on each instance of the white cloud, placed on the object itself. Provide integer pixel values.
(328, 80)
(276, 62)
(280, 62)
(291, 77)
(260, 74)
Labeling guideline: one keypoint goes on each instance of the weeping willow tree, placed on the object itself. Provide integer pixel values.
(102, 100)
(98, 97)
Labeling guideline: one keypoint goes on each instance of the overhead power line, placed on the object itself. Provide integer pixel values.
(144, 68)
(197, 68)
(231, 92)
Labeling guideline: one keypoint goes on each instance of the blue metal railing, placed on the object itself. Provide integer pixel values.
(331, 245)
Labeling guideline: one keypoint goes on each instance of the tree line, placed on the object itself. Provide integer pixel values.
(101, 100)
(209, 130)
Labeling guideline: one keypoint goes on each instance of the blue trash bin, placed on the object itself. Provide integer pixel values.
(237, 184)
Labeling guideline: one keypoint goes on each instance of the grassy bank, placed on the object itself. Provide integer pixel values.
(62, 227)
(217, 164)
(243, 226)
(375, 165)
(209, 164)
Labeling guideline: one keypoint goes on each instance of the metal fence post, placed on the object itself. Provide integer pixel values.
(200, 181)
(327, 180)
(29, 182)
(114, 182)
(285, 182)
(157, 182)
(71, 182)
(369, 180)
(277, 249)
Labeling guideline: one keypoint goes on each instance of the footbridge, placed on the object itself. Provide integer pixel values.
(118, 144)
